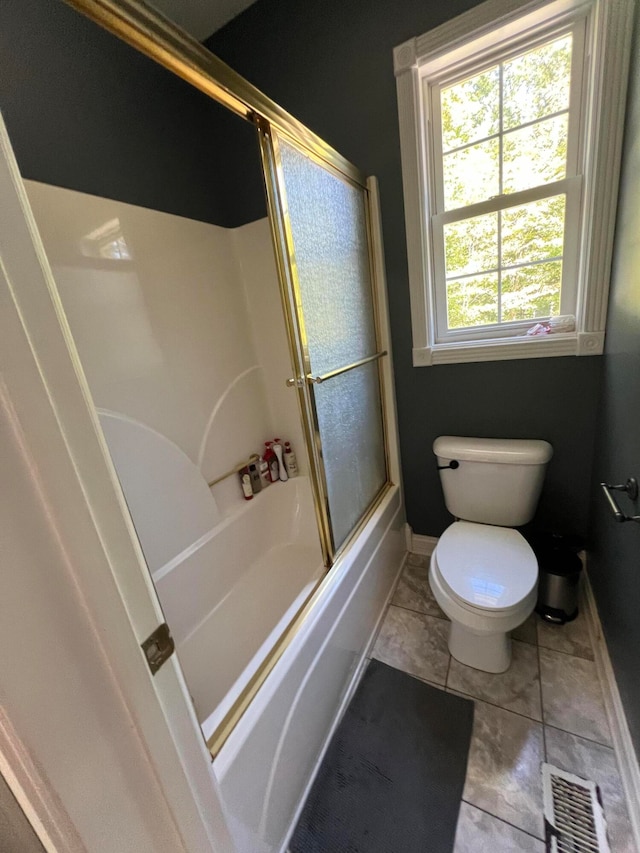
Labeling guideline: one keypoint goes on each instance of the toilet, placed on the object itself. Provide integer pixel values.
(483, 573)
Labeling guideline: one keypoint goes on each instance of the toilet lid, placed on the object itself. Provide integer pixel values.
(489, 567)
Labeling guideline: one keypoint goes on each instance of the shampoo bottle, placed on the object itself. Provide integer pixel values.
(282, 471)
(272, 461)
(245, 482)
(263, 465)
(290, 461)
(254, 476)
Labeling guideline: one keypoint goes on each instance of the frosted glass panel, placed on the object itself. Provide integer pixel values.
(350, 420)
(328, 224)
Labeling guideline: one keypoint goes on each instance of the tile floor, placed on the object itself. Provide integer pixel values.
(547, 706)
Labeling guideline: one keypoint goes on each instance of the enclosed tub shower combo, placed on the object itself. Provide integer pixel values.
(200, 342)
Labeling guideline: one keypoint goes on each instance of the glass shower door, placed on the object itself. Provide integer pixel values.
(324, 225)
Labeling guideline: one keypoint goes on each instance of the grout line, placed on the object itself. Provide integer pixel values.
(426, 681)
(526, 717)
(544, 736)
(494, 705)
(581, 737)
(502, 820)
(446, 678)
(520, 640)
(562, 652)
(421, 612)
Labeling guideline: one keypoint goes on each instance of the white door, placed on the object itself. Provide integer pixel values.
(101, 754)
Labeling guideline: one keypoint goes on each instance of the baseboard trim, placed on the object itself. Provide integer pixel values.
(620, 734)
(419, 544)
(408, 536)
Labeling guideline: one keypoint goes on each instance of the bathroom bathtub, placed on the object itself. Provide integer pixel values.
(230, 595)
(264, 769)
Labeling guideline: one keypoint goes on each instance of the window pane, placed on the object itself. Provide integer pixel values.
(535, 155)
(471, 245)
(472, 301)
(530, 293)
(472, 174)
(536, 84)
(471, 110)
(533, 232)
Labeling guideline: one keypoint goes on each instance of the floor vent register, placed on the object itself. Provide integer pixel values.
(574, 817)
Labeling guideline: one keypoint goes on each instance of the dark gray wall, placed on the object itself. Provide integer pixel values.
(330, 64)
(615, 558)
(87, 112)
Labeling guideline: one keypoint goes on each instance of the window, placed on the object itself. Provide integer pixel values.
(510, 159)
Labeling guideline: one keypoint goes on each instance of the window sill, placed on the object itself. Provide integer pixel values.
(547, 346)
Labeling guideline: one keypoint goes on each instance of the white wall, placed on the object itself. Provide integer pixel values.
(100, 754)
(180, 333)
(254, 251)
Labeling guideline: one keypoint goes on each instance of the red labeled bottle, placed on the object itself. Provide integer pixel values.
(270, 458)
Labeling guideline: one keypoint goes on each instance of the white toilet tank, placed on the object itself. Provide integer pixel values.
(497, 481)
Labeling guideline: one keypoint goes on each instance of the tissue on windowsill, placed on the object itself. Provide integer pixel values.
(555, 325)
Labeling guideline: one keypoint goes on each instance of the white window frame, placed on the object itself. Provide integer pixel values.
(592, 174)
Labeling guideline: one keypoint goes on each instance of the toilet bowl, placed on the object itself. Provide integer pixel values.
(483, 572)
(485, 580)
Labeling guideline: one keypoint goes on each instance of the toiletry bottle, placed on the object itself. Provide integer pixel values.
(282, 471)
(272, 461)
(245, 482)
(290, 461)
(263, 466)
(254, 475)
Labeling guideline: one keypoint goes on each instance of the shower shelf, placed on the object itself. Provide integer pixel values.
(253, 458)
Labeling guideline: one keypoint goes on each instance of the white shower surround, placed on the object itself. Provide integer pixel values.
(185, 336)
(230, 597)
(267, 763)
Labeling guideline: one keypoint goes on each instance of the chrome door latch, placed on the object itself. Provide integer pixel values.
(158, 647)
(631, 488)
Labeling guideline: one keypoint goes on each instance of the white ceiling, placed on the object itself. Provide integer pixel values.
(200, 18)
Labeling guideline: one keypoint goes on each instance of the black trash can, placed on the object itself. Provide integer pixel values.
(559, 575)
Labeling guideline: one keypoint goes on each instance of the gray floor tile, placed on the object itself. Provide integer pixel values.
(413, 591)
(418, 559)
(479, 832)
(571, 638)
(415, 643)
(503, 773)
(597, 763)
(572, 696)
(517, 689)
(526, 632)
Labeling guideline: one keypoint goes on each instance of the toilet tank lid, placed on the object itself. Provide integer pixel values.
(516, 451)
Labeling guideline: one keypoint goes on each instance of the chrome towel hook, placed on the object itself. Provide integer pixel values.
(631, 488)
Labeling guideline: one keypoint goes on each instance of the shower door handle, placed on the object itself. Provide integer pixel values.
(318, 380)
(295, 382)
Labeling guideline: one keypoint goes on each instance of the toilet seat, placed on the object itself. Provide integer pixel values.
(486, 568)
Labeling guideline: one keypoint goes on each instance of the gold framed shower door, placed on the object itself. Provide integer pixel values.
(161, 40)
